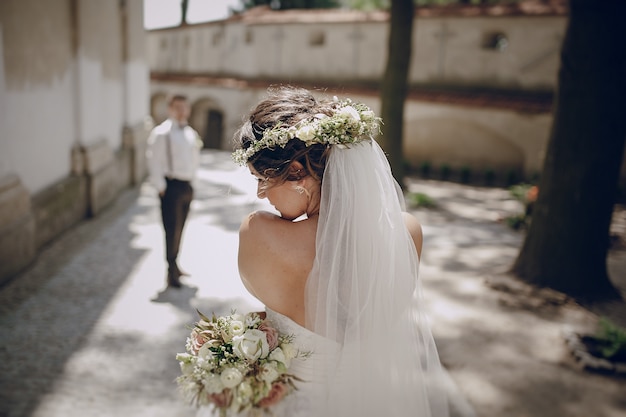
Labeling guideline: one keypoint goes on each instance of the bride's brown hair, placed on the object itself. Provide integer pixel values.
(286, 105)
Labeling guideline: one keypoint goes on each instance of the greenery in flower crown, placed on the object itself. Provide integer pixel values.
(350, 123)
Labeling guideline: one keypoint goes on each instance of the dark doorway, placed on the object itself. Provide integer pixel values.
(213, 132)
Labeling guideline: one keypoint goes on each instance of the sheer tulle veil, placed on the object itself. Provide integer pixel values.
(363, 292)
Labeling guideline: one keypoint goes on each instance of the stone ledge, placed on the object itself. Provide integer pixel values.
(17, 227)
(14, 199)
(586, 360)
(59, 207)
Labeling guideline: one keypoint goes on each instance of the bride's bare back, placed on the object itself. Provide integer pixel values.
(275, 258)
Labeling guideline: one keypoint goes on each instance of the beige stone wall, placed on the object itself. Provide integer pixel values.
(332, 49)
(73, 102)
(476, 138)
(36, 54)
(446, 50)
(454, 50)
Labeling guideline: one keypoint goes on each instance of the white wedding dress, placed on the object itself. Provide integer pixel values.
(372, 350)
(309, 369)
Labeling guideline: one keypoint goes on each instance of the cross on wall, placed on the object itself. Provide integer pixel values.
(278, 37)
(356, 36)
(443, 35)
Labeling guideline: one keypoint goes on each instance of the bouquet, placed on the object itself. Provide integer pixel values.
(236, 363)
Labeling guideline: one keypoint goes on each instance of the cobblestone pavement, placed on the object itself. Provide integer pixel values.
(90, 329)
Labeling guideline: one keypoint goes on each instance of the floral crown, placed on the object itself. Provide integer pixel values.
(350, 123)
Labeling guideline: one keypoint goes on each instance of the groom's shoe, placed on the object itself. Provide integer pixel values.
(174, 283)
(173, 280)
(176, 269)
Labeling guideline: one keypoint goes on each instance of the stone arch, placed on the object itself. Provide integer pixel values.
(461, 144)
(208, 119)
(158, 107)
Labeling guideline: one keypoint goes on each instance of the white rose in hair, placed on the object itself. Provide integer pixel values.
(306, 133)
(367, 115)
(350, 112)
(251, 345)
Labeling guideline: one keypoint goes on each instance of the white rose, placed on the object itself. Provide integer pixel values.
(269, 372)
(237, 327)
(184, 357)
(291, 131)
(213, 384)
(306, 133)
(189, 390)
(205, 352)
(350, 112)
(231, 377)
(251, 345)
(289, 351)
(367, 115)
(279, 356)
(186, 368)
(244, 392)
(205, 364)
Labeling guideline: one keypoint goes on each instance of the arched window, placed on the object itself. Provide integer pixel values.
(207, 119)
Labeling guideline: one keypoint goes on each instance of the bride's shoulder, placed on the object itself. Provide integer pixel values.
(259, 221)
(261, 225)
(415, 230)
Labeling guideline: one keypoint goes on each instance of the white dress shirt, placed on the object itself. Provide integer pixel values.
(184, 145)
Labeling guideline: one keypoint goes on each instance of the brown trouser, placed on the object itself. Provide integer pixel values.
(175, 204)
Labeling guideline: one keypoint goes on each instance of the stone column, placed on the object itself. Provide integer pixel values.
(17, 227)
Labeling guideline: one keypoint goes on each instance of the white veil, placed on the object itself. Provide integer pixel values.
(363, 292)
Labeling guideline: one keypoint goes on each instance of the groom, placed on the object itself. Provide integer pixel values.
(172, 155)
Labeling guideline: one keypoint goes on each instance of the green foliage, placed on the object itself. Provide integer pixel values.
(425, 169)
(512, 177)
(445, 172)
(466, 175)
(613, 339)
(367, 4)
(517, 221)
(421, 200)
(490, 176)
(472, 2)
(520, 192)
(292, 4)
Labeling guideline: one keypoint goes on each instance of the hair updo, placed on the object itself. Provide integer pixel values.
(287, 105)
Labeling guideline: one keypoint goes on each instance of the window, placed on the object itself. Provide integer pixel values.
(496, 41)
(317, 38)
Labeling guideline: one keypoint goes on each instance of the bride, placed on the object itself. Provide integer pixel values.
(338, 268)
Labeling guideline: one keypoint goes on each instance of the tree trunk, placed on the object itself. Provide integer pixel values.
(567, 242)
(184, 7)
(394, 84)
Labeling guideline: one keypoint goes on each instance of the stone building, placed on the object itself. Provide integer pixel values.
(482, 78)
(74, 97)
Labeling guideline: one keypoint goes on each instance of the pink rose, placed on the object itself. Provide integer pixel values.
(198, 339)
(271, 334)
(278, 391)
(223, 399)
